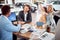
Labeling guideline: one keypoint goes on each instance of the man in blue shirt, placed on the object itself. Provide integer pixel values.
(6, 27)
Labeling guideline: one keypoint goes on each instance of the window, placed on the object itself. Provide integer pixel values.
(2, 1)
(56, 2)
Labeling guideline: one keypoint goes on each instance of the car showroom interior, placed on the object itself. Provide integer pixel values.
(29, 19)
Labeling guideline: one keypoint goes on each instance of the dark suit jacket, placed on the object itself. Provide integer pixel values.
(56, 18)
(21, 17)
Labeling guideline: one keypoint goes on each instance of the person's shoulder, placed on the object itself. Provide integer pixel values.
(3, 20)
(21, 12)
(29, 12)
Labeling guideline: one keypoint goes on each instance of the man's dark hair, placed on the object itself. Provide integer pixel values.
(27, 6)
(5, 9)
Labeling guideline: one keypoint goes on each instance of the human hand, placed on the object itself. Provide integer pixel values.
(21, 22)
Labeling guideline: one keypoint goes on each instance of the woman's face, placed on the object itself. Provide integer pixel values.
(49, 9)
(26, 8)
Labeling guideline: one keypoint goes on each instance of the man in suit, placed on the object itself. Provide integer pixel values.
(25, 15)
(6, 26)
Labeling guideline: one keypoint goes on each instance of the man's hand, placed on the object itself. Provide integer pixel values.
(21, 22)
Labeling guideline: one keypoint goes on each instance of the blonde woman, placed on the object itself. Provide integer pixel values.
(50, 19)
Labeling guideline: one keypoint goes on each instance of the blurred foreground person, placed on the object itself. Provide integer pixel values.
(6, 26)
(57, 31)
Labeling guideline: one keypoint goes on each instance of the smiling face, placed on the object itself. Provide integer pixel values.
(26, 8)
(49, 9)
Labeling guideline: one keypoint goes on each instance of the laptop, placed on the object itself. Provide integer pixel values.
(12, 17)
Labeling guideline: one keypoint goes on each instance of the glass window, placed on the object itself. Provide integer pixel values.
(56, 2)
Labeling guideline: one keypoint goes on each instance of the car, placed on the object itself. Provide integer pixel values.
(56, 5)
(21, 4)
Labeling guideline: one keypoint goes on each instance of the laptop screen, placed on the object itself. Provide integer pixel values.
(12, 17)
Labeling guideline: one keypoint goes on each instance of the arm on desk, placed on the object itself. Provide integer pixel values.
(11, 28)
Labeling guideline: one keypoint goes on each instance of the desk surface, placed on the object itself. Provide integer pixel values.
(27, 34)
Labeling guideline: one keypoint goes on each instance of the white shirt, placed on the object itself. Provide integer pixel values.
(25, 16)
(7, 28)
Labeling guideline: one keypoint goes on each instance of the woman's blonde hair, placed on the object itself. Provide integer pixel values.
(49, 8)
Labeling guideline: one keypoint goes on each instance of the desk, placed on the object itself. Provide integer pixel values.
(27, 34)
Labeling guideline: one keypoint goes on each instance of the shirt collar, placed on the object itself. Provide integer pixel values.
(5, 17)
(26, 13)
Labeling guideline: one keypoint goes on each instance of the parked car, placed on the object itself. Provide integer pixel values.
(21, 4)
(56, 5)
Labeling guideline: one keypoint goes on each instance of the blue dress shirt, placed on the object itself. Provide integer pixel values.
(7, 28)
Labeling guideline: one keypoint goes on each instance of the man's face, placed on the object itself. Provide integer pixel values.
(26, 8)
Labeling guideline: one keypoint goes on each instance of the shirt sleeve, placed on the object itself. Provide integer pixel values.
(10, 27)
